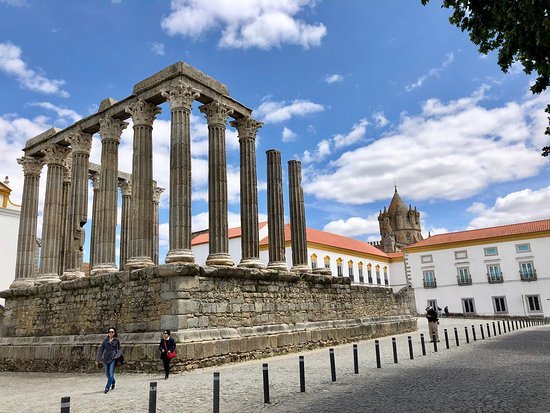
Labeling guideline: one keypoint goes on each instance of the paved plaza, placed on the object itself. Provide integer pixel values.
(507, 373)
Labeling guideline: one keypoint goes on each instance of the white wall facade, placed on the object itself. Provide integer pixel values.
(9, 227)
(513, 296)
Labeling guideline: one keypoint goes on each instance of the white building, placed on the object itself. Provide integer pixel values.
(9, 227)
(501, 270)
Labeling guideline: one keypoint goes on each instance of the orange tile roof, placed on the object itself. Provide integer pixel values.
(482, 233)
(231, 232)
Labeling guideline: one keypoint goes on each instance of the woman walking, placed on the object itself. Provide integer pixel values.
(108, 352)
(167, 349)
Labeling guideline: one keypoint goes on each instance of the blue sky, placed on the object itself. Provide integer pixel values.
(365, 93)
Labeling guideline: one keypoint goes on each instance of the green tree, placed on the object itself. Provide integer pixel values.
(518, 29)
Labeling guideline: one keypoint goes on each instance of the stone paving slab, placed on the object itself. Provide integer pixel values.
(506, 373)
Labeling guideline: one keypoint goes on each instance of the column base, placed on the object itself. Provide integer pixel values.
(72, 275)
(277, 265)
(47, 278)
(135, 263)
(22, 283)
(221, 259)
(180, 256)
(250, 263)
(301, 268)
(103, 268)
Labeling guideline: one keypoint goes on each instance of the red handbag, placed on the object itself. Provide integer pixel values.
(170, 354)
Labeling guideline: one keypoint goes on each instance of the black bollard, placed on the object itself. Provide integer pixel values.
(488, 331)
(482, 333)
(446, 338)
(434, 340)
(456, 338)
(423, 344)
(394, 346)
(65, 404)
(302, 374)
(152, 397)
(499, 331)
(355, 360)
(411, 354)
(494, 329)
(508, 322)
(474, 333)
(216, 398)
(504, 326)
(466, 333)
(266, 382)
(377, 349)
(332, 364)
(517, 325)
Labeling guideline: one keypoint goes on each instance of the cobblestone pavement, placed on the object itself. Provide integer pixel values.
(508, 373)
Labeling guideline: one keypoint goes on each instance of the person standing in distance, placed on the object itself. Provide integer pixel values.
(107, 352)
(167, 349)
(433, 321)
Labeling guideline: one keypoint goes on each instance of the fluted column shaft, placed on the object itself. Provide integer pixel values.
(156, 200)
(298, 227)
(26, 240)
(95, 178)
(216, 116)
(275, 211)
(51, 226)
(105, 240)
(250, 243)
(180, 96)
(65, 205)
(126, 189)
(81, 144)
(142, 219)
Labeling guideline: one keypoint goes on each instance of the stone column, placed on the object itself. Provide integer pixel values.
(141, 229)
(216, 115)
(298, 227)
(181, 98)
(110, 130)
(65, 205)
(156, 200)
(275, 211)
(250, 243)
(81, 143)
(51, 226)
(94, 177)
(26, 240)
(126, 189)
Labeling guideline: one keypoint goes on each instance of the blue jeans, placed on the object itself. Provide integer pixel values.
(110, 373)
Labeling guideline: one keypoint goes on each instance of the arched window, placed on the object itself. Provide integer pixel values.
(313, 260)
(360, 271)
(339, 269)
(350, 270)
(327, 262)
(369, 273)
(386, 280)
(378, 279)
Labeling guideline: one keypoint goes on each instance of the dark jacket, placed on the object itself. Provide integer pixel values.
(170, 345)
(431, 315)
(108, 350)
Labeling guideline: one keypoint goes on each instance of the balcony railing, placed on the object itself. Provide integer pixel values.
(528, 275)
(464, 280)
(495, 278)
(430, 283)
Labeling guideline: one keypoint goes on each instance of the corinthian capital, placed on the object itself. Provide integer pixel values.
(81, 142)
(157, 190)
(111, 129)
(180, 95)
(125, 187)
(247, 127)
(56, 154)
(31, 166)
(216, 113)
(143, 113)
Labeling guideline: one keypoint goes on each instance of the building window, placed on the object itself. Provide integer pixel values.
(533, 303)
(350, 270)
(429, 279)
(499, 304)
(464, 277)
(327, 262)
(468, 306)
(494, 275)
(523, 248)
(386, 280)
(490, 251)
(433, 304)
(369, 273)
(360, 271)
(339, 268)
(426, 259)
(527, 271)
(461, 255)
(378, 279)
(313, 261)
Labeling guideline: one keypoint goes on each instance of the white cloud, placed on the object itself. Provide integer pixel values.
(521, 206)
(254, 23)
(12, 64)
(64, 114)
(434, 72)
(158, 48)
(358, 132)
(320, 153)
(288, 135)
(451, 150)
(355, 226)
(16, 3)
(334, 78)
(276, 112)
(379, 119)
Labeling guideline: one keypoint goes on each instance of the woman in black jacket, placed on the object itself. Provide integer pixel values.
(108, 352)
(167, 349)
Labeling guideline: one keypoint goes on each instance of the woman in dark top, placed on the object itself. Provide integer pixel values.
(167, 346)
(108, 352)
